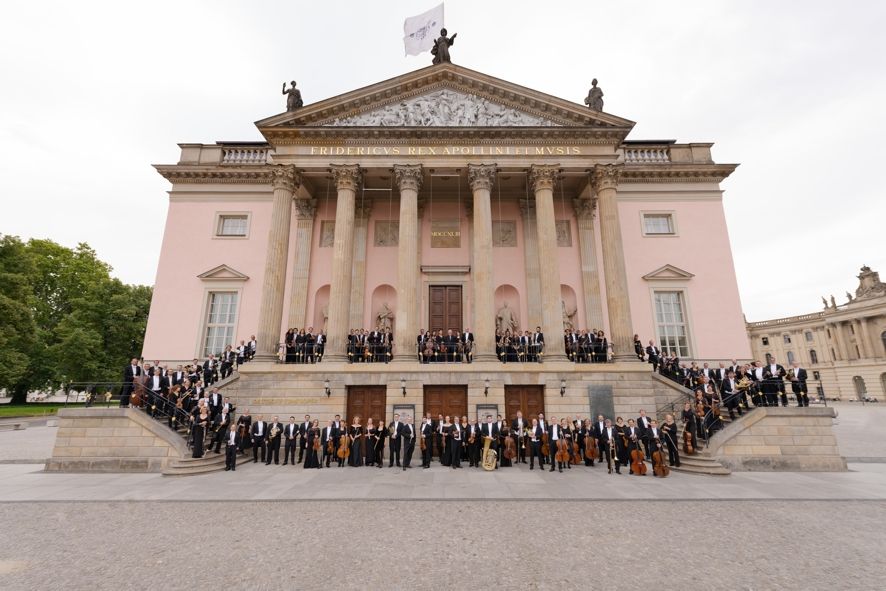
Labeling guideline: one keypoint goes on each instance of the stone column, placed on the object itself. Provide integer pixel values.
(286, 181)
(835, 341)
(870, 346)
(843, 339)
(621, 330)
(481, 178)
(301, 266)
(409, 182)
(358, 277)
(590, 280)
(530, 254)
(541, 179)
(347, 180)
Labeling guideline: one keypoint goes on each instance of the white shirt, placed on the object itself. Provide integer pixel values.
(156, 385)
(554, 434)
(233, 435)
(260, 425)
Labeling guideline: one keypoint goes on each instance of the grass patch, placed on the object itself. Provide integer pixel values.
(33, 410)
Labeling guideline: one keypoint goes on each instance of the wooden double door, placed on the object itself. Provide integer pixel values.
(445, 400)
(445, 311)
(367, 401)
(528, 399)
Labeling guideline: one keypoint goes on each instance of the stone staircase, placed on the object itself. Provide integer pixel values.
(701, 463)
(210, 462)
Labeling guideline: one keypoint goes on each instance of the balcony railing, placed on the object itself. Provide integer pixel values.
(650, 155)
(244, 155)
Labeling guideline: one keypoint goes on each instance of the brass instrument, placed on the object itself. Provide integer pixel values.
(274, 432)
(790, 376)
(489, 455)
(744, 384)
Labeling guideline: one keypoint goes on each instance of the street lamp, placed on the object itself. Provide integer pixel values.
(403, 387)
(486, 387)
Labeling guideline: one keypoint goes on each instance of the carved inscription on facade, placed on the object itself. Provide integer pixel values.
(445, 234)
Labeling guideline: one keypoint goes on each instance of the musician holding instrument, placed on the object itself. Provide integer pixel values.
(554, 437)
(473, 444)
(729, 392)
(608, 447)
(303, 437)
(773, 383)
(669, 432)
(275, 431)
(328, 441)
(355, 434)
(689, 423)
(291, 435)
(456, 438)
(427, 441)
(621, 441)
(536, 432)
(220, 429)
(371, 443)
(231, 446)
(312, 451)
(518, 428)
(407, 437)
(632, 433)
(258, 433)
(490, 432)
(244, 426)
(395, 431)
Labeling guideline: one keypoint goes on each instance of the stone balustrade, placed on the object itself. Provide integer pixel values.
(650, 155)
(244, 155)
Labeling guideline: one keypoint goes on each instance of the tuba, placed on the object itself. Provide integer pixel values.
(489, 455)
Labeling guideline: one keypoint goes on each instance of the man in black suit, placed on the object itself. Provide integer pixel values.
(394, 432)
(773, 383)
(158, 387)
(490, 431)
(555, 434)
(291, 439)
(303, 436)
(518, 428)
(209, 370)
(245, 421)
(653, 354)
(232, 444)
(643, 425)
(220, 427)
(408, 433)
(729, 394)
(467, 338)
(215, 402)
(178, 376)
(798, 384)
(274, 441)
(258, 434)
(427, 435)
(131, 372)
(607, 447)
(326, 435)
(473, 431)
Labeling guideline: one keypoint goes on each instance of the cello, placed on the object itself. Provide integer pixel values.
(590, 447)
(688, 449)
(638, 463)
(576, 454)
(659, 467)
(562, 454)
(344, 450)
(510, 447)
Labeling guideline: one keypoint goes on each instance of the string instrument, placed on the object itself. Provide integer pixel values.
(316, 433)
(421, 442)
(590, 447)
(688, 449)
(659, 467)
(545, 445)
(576, 454)
(344, 450)
(330, 446)
(562, 454)
(638, 465)
(136, 398)
(510, 447)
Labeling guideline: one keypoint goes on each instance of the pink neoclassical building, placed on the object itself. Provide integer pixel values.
(445, 199)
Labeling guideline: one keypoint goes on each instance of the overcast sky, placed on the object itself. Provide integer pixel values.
(93, 93)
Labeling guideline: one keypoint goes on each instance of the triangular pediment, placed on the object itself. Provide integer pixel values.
(668, 273)
(222, 273)
(444, 96)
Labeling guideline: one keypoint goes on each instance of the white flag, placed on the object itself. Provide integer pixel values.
(420, 31)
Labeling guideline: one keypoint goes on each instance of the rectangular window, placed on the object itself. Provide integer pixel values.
(220, 321)
(787, 339)
(765, 341)
(658, 224)
(232, 225)
(670, 319)
(808, 337)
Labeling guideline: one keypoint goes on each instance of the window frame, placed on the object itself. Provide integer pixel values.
(208, 292)
(219, 217)
(683, 296)
(671, 214)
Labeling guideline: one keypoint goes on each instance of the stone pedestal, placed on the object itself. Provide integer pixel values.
(409, 182)
(541, 179)
(347, 180)
(621, 333)
(286, 181)
(481, 177)
(301, 265)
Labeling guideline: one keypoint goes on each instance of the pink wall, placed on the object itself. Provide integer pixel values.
(701, 248)
(381, 261)
(189, 249)
(509, 262)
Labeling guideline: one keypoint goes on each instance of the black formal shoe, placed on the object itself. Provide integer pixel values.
(233, 469)
(285, 463)
(226, 468)
(569, 466)
(552, 469)
(267, 463)
(532, 467)
(561, 470)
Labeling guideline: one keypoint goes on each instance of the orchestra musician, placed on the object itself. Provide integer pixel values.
(669, 432)
(608, 447)
(312, 451)
(329, 436)
(518, 428)
(231, 447)
(408, 442)
(244, 427)
(427, 435)
(798, 384)
(456, 435)
(536, 431)
(275, 429)
(554, 435)
(303, 437)
(394, 429)
(290, 438)
(621, 446)
(490, 431)
(729, 392)
(472, 441)
(773, 383)
(257, 434)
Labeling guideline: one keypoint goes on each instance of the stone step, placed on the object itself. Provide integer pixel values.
(208, 458)
(192, 470)
(211, 462)
(713, 469)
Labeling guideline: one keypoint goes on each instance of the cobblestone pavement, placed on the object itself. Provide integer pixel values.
(743, 545)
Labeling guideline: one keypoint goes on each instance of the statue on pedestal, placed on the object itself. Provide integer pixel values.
(825, 302)
(293, 97)
(384, 320)
(441, 48)
(594, 99)
(505, 319)
(325, 312)
(567, 316)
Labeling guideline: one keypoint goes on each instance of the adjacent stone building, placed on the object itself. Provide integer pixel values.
(843, 347)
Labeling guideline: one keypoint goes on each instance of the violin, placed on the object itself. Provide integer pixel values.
(638, 465)
(659, 467)
(316, 446)
(688, 449)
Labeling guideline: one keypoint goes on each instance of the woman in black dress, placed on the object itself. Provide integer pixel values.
(381, 433)
(446, 458)
(312, 445)
(198, 432)
(371, 440)
(355, 432)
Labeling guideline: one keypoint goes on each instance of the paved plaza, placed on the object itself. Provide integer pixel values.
(276, 527)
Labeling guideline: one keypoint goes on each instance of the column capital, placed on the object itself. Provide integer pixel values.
(363, 210)
(605, 176)
(481, 176)
(305, 208)
(347, 176)
(286, 177)
(584, 208)
(543, 176)
(408, 176)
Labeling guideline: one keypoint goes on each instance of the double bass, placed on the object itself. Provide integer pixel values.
(659, 467)
(638, 463)
(510, 447)
(576, 454)
(590, 447)
(688, 449)
(562, 454)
